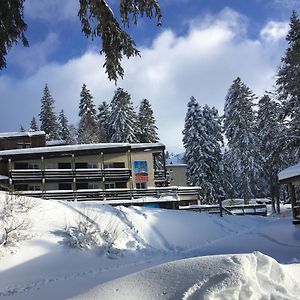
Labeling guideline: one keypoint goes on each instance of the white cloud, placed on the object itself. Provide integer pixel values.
(51, 9)
(275, 31)
(203, 64)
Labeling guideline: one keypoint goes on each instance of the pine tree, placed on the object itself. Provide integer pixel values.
(123, 125)
(190, 141)
(269, 131)
(202, 138)
(64, 129)
(103, 117)
(22, 128)
(88, 129)
(148, 129)
(288, 87)
(240, 131)
(33, 125)
(47, 116)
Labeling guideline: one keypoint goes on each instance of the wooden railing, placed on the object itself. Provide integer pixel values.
(253, 209)
(117, 196)
(68, 174)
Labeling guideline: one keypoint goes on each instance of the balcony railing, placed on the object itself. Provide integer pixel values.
(160, 175)
(68, 174)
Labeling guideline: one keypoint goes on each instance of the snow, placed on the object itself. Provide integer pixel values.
(78, 147)
(289, 172)
(17, 134)
(205, 256)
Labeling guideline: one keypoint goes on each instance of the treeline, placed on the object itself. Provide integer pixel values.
(261, 137)
(114, 122)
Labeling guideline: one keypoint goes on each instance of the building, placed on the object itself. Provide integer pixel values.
(21, 140)
(177, 174)
(117, 173)
(291, 178)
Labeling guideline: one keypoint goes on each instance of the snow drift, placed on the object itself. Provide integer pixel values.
(247, 276)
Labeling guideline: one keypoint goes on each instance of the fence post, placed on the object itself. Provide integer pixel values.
(221, 209)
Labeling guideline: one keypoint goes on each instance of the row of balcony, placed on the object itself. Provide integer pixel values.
(69, 174)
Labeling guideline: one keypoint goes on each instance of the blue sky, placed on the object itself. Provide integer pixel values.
(201, 48)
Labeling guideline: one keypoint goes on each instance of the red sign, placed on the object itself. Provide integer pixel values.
(141, 177)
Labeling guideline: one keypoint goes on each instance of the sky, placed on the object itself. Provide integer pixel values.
(201, 47)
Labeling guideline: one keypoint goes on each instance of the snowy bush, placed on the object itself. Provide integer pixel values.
(86, 234)
(14, 219)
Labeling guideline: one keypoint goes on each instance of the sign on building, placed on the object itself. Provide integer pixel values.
(141, 171)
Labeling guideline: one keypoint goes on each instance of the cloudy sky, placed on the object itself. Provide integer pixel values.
(201, 48)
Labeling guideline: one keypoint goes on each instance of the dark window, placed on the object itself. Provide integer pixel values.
(121, 185)
(82, 185)
(64, 186)
(21, 187)
(19, 166)
(81, 165)
(119, 165)
(64, 165)
(141, 185)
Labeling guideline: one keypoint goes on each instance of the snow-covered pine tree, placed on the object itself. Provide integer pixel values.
(148, 129)
(103, 117)
(47, 116)
(190, 141)
(240, 131)
(22, 129)
(88, 129)
(63, 127)
(270, 146)
(288, 87)
(123, 125)
(33, 125)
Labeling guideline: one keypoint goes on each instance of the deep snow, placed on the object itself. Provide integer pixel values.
(44, 267)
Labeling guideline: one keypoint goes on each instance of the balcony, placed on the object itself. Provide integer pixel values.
(160, 176)
(22, 175)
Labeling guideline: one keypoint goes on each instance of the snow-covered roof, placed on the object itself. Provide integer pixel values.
(76, 148)
(19, 134)
(176, 165)
(146, 145)
(290, 172)
(55, 143)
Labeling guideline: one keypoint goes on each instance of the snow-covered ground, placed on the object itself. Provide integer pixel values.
(191, 244)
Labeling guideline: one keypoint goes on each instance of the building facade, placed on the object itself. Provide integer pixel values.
(76, 167)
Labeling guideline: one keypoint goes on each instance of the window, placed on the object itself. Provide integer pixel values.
(82, 185)
(51, 166)
(81, 165)
(108, 165)
(93, 185)
(33, 166)
(121, 185)
(20, 166)
(64, 186)
(92, 166)
(141, 185)
(34, 188)
(119, 165)
(110, 185)
(21, 187)
(114, 165)
(64, 165)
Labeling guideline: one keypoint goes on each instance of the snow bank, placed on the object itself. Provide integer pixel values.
(248, 276)
(46, 268)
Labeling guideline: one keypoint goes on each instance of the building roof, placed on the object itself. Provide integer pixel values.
(80, 149)
(5, 135)
(290, 172)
